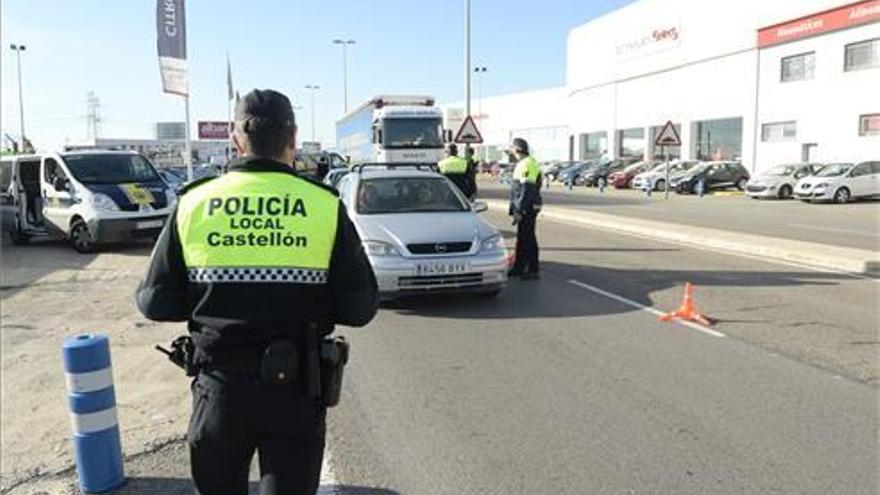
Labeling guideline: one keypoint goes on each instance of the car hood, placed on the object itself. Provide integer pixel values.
(813, 180)
(401, 229)
(131, 195)
(769, 180)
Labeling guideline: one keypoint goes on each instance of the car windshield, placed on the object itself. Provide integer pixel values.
(407, 195)
(834, 170)
(673, 167)
(110, 168)
(413, 133)
(782, 170)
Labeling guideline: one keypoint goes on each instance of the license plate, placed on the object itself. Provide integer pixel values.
(150, 224)
(442, 268)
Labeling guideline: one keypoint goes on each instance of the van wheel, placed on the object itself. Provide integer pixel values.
(18, 238)
(81, 237)
(842, 195)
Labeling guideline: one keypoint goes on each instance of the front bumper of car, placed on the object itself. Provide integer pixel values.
(109, 230)
(808, 192)
(761, 190)
(399, 276)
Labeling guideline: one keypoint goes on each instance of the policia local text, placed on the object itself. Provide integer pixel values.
(251, 213)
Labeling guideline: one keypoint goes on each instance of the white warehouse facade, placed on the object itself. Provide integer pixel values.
(764, 82)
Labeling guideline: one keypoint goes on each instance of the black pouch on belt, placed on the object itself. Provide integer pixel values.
(334, 356)
(280, 363)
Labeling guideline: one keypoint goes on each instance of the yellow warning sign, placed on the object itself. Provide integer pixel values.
(137, 194)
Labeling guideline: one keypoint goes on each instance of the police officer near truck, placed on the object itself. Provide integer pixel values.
(525, 203)
(455, 169)
(261, 264)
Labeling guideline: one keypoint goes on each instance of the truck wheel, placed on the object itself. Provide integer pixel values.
(81, 237)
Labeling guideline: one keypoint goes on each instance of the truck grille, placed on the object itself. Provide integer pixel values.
(428, 282)
(439, 247)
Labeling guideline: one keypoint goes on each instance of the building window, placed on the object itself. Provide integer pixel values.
(719, 139)
(869, 124)
(862, 55)
(798, 67)
(593, 145)
(779, 131)
(631, 143)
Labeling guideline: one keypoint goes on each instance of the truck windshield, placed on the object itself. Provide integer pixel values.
(413, 133)
(110, 168)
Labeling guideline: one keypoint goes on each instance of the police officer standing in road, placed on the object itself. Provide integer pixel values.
(455, 168)
(525, 203)
(471, 172)
(261, 263)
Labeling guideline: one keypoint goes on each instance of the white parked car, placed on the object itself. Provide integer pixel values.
(655, 179)
(841, 183)
(779, 181)
(420, 233)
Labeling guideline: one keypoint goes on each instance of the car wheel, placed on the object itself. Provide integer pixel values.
(842, 196)
(784, 192)
(659, 185)
(629, 184)
(81, 237)
(741, 183)
(579, 181)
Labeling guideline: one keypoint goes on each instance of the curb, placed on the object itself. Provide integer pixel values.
(807, 253)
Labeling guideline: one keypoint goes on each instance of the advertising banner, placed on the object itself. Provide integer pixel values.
(171, 44)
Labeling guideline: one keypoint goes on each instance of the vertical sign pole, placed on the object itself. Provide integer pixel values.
(187, 149)
(666, 151)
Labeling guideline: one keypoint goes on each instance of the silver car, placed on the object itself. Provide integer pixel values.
(779, 181)
(421, 234)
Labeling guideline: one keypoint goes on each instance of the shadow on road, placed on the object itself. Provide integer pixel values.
(554, 297)
(183, 486)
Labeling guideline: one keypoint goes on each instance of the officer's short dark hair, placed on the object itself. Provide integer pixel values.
(266, 120)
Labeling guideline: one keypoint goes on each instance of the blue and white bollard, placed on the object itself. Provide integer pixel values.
(97, 449)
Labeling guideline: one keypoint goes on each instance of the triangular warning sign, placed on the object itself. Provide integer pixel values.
(668, 136)
(468, 133)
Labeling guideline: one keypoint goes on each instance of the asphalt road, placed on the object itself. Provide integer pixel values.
(556, 387)
(855, 225)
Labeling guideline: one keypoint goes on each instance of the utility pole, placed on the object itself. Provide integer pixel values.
(313, 88)
(93, 115)
(18, 49)
(467, 58)
(481, 73)
(344, 44)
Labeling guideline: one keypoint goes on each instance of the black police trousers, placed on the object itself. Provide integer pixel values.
(235, 416)
(526, 256)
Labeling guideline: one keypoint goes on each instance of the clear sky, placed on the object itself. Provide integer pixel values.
(403, 47)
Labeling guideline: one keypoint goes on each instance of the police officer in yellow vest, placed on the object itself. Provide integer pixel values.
(261, 264)
(525, 203)
(455, 168)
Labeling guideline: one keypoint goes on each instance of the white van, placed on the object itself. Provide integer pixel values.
(88, 197)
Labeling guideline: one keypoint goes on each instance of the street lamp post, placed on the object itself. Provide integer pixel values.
(481, 73)
(344, 44)
(18, 49)
(313, 88)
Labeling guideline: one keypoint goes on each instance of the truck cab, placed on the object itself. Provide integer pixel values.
(88, 198)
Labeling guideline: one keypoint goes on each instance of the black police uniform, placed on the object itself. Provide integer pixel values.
(233, 315)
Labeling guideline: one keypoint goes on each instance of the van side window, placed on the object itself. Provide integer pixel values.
(53, 171)
(5, 176)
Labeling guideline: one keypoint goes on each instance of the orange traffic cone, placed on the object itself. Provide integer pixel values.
(688, 311)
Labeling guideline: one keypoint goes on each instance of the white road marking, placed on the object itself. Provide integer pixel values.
(832, 229)
(629, 302)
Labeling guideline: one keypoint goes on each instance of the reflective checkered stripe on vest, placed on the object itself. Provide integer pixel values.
(257, 227)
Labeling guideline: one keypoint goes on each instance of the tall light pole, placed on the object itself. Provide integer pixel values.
(18, 49)
(481, 73)
(467, 58)
(344, 44)
(313, 88)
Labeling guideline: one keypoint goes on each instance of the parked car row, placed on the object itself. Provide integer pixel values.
(841, 183)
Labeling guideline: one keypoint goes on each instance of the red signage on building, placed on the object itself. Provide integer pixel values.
(831, 20)
(213, 130)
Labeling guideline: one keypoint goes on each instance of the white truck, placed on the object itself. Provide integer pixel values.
(392, 129)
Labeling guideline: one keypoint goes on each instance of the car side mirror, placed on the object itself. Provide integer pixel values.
(60, 184)
(480, 207)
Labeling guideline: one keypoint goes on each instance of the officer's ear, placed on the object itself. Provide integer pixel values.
(239, 146)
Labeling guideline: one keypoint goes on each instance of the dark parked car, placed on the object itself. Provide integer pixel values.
(598, 175)
(715, 175)
(623, 179)
(572, 172)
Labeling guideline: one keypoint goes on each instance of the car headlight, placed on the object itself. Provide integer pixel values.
(104, 202)
(492, 243)
(822, 184)
(377, 248)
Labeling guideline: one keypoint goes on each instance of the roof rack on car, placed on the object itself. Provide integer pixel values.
(429, 167)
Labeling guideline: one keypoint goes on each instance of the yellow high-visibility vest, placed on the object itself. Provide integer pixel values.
(527, 170)
(452, 165)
